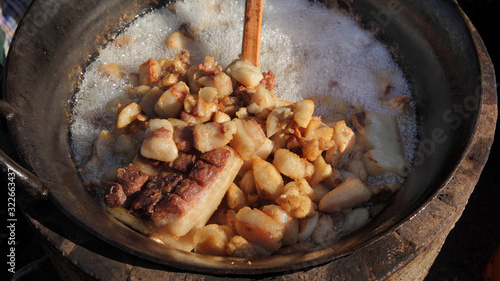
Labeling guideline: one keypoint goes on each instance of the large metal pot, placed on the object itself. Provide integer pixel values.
(433, 41)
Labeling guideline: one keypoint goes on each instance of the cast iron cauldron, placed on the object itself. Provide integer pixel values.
(439, 50)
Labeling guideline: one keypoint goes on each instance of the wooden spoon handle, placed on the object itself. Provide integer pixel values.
(252, 31)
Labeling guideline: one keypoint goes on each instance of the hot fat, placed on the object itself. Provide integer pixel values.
(290, 174)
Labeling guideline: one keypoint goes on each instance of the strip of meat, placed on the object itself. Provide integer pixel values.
(144, 204)
(166, 182)
(169, 209)
(216, 157)
(188, 190)
(192, 202)
(115, 197)
(184, 162)
(203, 173)
(131, 179)
(183, 138)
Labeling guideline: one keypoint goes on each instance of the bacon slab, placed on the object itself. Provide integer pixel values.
(177, 202)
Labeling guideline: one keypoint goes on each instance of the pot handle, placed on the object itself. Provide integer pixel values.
(16, 173)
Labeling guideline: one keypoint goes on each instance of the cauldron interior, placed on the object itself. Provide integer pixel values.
(57, 39)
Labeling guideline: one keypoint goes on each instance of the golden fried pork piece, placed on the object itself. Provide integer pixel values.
(179, 199)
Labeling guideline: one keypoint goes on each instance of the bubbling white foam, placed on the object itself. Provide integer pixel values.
(307, 46)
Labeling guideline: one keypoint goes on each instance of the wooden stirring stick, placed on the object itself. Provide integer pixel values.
(252, 31)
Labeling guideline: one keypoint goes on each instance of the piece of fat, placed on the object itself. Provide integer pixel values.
(185, 242)
(178, 233)
(380, 134)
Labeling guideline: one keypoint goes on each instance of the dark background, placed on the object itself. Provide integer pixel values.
(469, 245)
